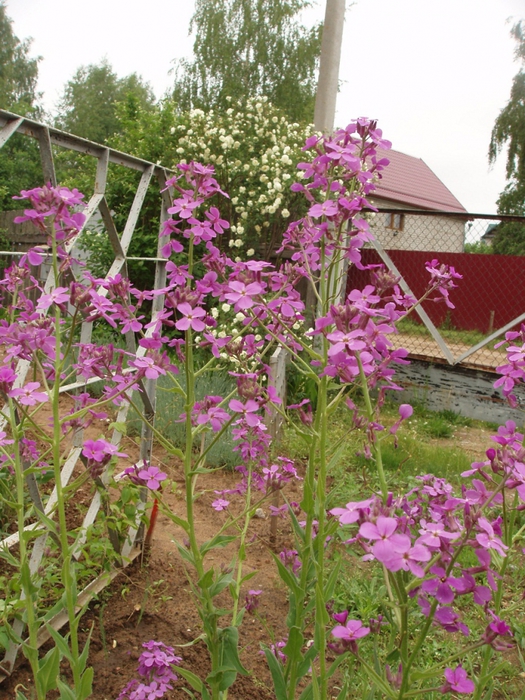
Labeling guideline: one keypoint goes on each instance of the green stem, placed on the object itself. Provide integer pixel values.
(376, 447)
(31, 650)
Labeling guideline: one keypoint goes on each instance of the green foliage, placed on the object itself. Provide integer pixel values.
(95, 98)
(509, 238)
(250, 48)
(19, 159)
(18, 72)
(509, 130)
(170, 406)
(478, 247)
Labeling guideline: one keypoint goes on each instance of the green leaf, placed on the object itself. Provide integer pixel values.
(206, 579)
(65, 691)
(61, 642)
(178, 521)
(217, 541)
(85, 651)
(121, 428)
(230, 647)
(86, 685)
(287, 576)
(335, 665)
(48, 522)
(344, 690)
(307, 693)
(192, 679)
(336, 456)
(248, 576)
(393, 657)
(306, 663)
(294, 644)
(220, 584)
(48, 671)
(332, 580)
(185, 553)
(279, 684)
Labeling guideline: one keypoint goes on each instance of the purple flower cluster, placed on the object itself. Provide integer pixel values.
(97, 454)
(155, 666)
(422, 532)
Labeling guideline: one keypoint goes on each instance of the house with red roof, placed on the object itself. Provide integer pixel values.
(408, 186)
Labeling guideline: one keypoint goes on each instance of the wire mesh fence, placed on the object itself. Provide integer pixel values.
(489, 300)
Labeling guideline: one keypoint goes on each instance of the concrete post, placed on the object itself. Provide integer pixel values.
(328, 83)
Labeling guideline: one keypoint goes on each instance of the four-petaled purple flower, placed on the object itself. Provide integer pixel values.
(457, 680)
(28, 395)
(153, 477)
(191, 317)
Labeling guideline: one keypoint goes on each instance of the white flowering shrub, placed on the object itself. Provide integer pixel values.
(254, 149)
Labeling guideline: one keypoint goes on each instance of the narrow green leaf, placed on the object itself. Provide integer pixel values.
(178, 521)
(220, 584)
(230, 650)
(206, 579)
(48, 671)
(86, 685)
(185, 553)
(306, 663)
(217, 541)
(119, 427)
(332, 580)
(61, 642)
(294, 644)
(307, 693)
(65, 691)
(279, 684)
(287, 576)
(192, 679)
(343, 693)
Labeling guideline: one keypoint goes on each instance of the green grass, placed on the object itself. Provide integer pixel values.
(170, 406)
(448, 332)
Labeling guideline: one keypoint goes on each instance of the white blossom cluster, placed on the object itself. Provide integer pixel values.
(255, 151)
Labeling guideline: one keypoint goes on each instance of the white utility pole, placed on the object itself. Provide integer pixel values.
(327, 86)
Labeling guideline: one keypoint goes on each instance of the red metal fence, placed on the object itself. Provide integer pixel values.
(490, 295)
(489, 300)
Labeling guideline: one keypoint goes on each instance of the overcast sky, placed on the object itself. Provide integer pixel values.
(435, 73)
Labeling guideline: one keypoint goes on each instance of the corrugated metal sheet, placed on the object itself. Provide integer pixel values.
(410, 181)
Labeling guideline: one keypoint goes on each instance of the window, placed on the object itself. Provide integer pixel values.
(395, 221)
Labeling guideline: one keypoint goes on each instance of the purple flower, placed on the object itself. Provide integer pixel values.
(327, 208)
(488, 539)
(252, 600)
(220, 504)
(351, 512)
(28, 395)
(7, 378)
(241, 294)
(58, 296)
(191, 318)
(383, 532)
(153, 477)
(248, 410)
(352, 629)
(457, 680)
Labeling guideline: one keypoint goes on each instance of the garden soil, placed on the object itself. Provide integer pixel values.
(152, 599)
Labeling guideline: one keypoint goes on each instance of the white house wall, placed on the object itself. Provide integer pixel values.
(419, 232)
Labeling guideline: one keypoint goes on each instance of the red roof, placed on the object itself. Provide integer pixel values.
(410, 181)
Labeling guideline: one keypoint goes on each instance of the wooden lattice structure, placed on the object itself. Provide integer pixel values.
(47, 138)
